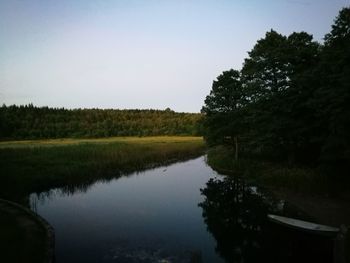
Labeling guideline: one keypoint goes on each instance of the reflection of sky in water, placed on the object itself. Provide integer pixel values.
(161, 214)
(145, 216)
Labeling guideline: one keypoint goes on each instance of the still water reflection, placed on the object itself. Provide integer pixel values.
(184, 212)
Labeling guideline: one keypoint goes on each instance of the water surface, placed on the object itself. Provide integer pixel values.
(184, 212)
(147, 216)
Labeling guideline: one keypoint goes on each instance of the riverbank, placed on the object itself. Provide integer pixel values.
(307, 189)
(34, 166)
(25, 237)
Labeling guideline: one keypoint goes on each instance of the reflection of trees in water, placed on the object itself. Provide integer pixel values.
(81, 184)
(67, 190)
(235, 214)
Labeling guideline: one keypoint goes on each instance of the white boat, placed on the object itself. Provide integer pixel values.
(304, 225)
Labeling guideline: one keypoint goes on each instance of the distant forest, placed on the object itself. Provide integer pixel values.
(30, 122)
(290, 101)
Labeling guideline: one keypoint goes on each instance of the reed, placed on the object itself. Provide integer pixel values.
(34, 166)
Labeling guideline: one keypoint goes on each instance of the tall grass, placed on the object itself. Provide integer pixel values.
(71, 141)
(36, 167)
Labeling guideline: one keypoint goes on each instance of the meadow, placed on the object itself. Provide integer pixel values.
(39, 165)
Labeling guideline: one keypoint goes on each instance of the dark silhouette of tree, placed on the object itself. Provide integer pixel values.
(222, 108)
(332, 98)
(275, 74)
(291, 100)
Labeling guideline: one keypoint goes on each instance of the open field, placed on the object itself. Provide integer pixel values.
(34, 166)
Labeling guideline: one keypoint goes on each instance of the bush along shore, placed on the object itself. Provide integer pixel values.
(270, 174)
(310, 189)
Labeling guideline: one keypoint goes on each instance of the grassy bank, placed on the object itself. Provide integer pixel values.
(324, 198)
(270, 174)
(29, 166)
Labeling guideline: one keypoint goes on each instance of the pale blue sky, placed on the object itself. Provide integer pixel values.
(137, 54)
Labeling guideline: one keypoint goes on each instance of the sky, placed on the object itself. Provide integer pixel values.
(129, 54)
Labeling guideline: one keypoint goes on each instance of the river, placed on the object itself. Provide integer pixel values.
(184, 212)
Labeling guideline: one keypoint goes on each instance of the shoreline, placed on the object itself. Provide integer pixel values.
(324, 208)
(29, 223)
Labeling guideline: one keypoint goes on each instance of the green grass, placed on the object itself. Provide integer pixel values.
(70, 141)
(29, 166)
(273, 175)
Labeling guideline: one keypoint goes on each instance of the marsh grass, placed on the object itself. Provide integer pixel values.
(34, 166)
(71, 141)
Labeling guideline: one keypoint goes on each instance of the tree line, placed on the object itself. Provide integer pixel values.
(30, 122)
(290, 101)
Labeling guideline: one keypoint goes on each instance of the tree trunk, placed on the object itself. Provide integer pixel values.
(236, 148)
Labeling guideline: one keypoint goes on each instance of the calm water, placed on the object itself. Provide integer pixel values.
(162, 215)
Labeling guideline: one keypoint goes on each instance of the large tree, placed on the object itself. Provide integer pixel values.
(276, 76)
(291, 99)
(223, 109)
(332, 99)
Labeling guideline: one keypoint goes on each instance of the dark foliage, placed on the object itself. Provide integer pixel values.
(30, 122)
(236, 215)
(291, 100)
